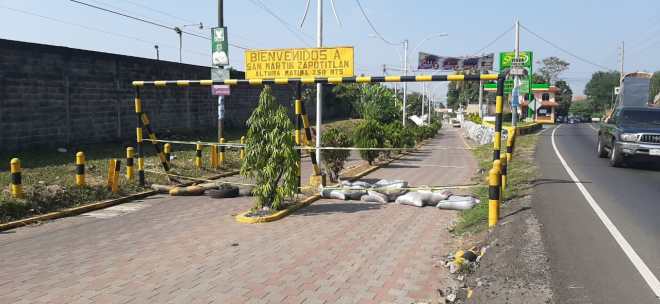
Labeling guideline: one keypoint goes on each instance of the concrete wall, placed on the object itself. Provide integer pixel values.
(57, 96)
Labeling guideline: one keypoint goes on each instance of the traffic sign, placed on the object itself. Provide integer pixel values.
(220, 90)
(219, 46)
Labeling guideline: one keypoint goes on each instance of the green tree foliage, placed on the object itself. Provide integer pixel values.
(369, 134)
(414, 103)
(538, 78)
(655, 85)
(349, 93)
(379, 103)
(270, 158)
(551, 67)
(582, 108)
(462, 92)
(600, 88)
(334, 159)
(563, 97)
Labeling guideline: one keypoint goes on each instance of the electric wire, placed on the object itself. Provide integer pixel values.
(288, 26)
(564, 50)
(373, 28)
(494, 40)
(98, 30)
(150, 22)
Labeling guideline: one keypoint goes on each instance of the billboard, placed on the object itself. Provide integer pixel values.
(304, 62)
(433, 62)
(527, 64)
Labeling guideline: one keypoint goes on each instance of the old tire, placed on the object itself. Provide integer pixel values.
(616, 158)
(602, 153)
(223, 192)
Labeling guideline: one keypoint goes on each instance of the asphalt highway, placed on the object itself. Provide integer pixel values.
(606, 256)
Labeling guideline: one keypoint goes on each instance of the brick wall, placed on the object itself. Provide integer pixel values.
(58, 96)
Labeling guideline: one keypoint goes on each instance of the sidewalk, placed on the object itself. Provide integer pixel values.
(191, 250)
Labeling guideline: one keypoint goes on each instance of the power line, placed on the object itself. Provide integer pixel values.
(564, 50)
(494, 40)
(97, 29)
(159, 11)
(373, 28)
(176, 29)
(286, 25)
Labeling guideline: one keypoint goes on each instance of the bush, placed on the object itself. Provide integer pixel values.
(399, 137)
(270, 155)
(474, 117)
(334, 159)
(369, 134)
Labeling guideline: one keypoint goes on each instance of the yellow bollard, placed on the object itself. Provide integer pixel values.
(493, 196)
(214, 157)
(111, 172)
(198, 156)
(509, 144)
(115, 176)
(130, 153)
(242, 155)
(504, 167)
(221, 160)
(167, 150)
(80, 169)
(16, 187)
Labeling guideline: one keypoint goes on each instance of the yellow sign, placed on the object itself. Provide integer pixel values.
(308, 62)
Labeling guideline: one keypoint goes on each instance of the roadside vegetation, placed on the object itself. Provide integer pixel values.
(521, 172)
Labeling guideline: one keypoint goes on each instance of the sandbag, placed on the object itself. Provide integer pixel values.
(411, 199)
(376, 197)
(333, 193)
(391, 188)
(436, 197)
(187, 191)
(456, 202)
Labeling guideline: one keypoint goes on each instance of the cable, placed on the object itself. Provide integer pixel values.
(494, 40)
(373, 28)
(288, 26)
(98, 30)
(159, 11)
(564, 50)
(150, 22)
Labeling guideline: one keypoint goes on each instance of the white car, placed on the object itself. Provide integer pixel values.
(455, 123)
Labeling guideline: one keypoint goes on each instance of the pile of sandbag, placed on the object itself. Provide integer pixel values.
(386, 191)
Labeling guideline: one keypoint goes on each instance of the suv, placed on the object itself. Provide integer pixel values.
(630, 132)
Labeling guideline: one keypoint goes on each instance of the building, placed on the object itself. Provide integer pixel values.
(543, 102)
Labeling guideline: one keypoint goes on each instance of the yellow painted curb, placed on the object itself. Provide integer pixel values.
(243, 218)
(91, 207)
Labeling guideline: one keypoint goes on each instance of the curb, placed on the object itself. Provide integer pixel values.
(93, 206)
(242, 218)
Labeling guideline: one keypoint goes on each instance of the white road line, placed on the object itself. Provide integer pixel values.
(591, 126)
(643, 270)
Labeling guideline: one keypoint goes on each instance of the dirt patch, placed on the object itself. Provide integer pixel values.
(515, 267)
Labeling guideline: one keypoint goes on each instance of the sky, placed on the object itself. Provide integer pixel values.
(587, 34)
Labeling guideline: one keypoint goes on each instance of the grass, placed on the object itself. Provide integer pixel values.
(48, 176)
(520, 173)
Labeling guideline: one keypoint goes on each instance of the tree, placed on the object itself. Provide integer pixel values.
(379, 103)
(369, 134)
(600, 88)
(538, 78)
(563, 97)
(270, 158)
(582, 108)
(349, 93)
(414, 103)
(655, 86)
(334, 159)
(551, 68)
(462, 92)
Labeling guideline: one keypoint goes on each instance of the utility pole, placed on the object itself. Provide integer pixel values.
(405, 84)
(180, 33)
(622, 57)
(319, 87)
(157, 52)
(221, 99)
(516, 84)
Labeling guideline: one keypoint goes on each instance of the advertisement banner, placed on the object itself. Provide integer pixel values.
(433, 62)
(527, 63)
(307, 62)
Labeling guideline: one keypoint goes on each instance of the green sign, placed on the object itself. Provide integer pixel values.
(527, 59)
(219, 47)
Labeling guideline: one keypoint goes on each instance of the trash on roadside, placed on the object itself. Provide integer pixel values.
(464, 260)
(457, 202)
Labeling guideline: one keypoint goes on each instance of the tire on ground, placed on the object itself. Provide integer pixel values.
(223, 192)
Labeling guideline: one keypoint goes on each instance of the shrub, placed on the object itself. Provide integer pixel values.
(270, 156)
(369, 134)
(334, 159)
(474, 117)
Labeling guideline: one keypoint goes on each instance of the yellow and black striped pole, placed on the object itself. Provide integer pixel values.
(493, 197)
(221, 159)
(138, 133)
(297, 132)
(80, 169)
(167, 150)
(16, 187)
(242, 153)
(510, 141)
(503, 170)
(308, 136)
(198, 156)
(152, 136)
(130, 154)
(497, 139)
